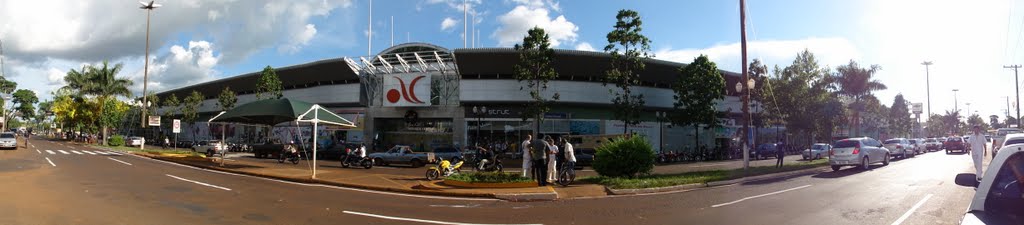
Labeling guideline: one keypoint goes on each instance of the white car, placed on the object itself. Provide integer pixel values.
(8, 140)
(209, 147)
(998, 197)
(899, 147)
(135, 141)
(1000, 137)
(817, 151)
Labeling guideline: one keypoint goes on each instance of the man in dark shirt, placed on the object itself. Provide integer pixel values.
(780, 153)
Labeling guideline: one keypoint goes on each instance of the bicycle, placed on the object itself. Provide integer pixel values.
(566, 174)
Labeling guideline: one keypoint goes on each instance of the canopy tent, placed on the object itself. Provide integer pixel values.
(271, 112)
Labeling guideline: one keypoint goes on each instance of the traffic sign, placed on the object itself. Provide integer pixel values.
(177, 126)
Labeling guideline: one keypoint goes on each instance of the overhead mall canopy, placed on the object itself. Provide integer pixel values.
(271, 112)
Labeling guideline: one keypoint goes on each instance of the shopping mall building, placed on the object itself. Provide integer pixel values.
(424, 95)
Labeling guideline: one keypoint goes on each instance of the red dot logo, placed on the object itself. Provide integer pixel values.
(393, 95)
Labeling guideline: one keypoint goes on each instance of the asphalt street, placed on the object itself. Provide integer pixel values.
(86, 186)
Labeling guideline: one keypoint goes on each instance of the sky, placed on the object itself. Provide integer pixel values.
(194, 41)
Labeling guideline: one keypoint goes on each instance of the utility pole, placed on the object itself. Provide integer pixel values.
(465, 28)
(928, 85)
(746, 93)
(1016, 83)
(369, 31)
(145, 71)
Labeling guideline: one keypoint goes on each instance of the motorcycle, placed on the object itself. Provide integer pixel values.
(444, 169)
(290, 154)
(489, 166)
(353, 160)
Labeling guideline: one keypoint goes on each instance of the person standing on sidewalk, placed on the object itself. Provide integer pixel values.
(538, 154)
(552, 161)
(570, 156)
(978, 150)
(526, 156)
(780, 153)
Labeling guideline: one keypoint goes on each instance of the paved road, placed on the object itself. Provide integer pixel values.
(122, 189)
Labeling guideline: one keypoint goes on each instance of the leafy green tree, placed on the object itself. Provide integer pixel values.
(936, 126)
(1010, 121)
(112, 112)
(7, 86)
(857, 83)
(535, 68)
(628, 49)
(698, 87)
(994, 122)
(103, 83)
(190, 110)
(976, 120)
(154, 103)
(269, 85)
(952, 120)
(899, 117)
(227, 99)
(801, 95)
(25, 101)
(171, 105)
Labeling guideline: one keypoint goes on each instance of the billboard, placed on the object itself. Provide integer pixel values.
(405, 90)
(154, 121)
(917, 108)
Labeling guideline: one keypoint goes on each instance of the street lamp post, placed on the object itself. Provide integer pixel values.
(145, 71)
(956, 109)
(968, 109)
(661, 130)
(928, 85)
(745, 95)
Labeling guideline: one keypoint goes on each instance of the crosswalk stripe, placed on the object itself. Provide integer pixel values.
(91, 153)
(115, 153)
(50, 151)
(62, 151)
(76, 152)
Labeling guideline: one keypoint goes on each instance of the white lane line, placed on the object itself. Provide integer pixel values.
(76, 152)
(114, 153)
(911, 211)
(102, 153)
(758, 196)
(50, 151)
(51, 162)
(37, 150)
(199, 183)
(91, 153)
(62, 151)
(126, 163)
(328, 186)
(419, 220)
(709, 165)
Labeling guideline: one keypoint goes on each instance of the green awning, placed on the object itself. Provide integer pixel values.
(275, 111)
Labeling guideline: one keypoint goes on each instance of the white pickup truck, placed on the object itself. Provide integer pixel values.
(402, 154)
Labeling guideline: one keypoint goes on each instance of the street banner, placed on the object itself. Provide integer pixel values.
(177, 126)
(154, 121)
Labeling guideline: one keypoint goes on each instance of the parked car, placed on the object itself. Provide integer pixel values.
(584, 157)
(817, 151)
(997, 198)
(764, 151)
(932, 144)
(917, 145)
(8, 140)
(134, 141)
(447, 153)
(954, 143)
(860, 152)
(1000, 137)
(899, 147)
(210, 147)
(402, 154)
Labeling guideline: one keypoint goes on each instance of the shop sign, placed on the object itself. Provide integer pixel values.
(405, 90)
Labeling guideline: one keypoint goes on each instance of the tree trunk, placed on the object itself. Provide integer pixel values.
(104, 141)
(696, 136)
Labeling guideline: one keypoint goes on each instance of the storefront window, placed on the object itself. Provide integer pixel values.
(422, 135)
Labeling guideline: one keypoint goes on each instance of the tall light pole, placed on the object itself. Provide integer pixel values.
(928, 85)
(740, 87)
(956, 105)
(968, 109)
(145, 71)
(1016, 83)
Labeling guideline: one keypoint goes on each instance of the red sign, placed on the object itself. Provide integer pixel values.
(407, 90)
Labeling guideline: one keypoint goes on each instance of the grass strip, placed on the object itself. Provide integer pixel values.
(666, 180)
(489, 177)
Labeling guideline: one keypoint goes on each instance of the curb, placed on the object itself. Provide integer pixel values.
(489, 185)
(693, 186)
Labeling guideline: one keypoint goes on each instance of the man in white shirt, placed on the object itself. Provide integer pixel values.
(570, 156)
(978, 149)
(526, 156)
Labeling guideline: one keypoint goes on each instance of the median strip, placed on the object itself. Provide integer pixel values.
(199, 183)
(126, 163)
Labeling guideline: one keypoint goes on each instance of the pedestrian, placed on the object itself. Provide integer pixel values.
(780, 153)
(526, 157)
(538, 156)
(552, 160)
(978, 150)
(570, 156)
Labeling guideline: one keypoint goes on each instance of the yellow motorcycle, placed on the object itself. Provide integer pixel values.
(444, 169)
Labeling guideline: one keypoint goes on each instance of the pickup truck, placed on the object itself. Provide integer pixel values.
(402, 154)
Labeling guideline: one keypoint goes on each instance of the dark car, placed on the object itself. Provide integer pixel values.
(584, 157)
(763, 151)
(338, 152)
(954, 143)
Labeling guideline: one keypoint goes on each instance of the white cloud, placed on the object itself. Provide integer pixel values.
(299, 40)
(448, 23)
(55, 77)
(181, 66)
(522, 18)
(584, 46)
(829, 52)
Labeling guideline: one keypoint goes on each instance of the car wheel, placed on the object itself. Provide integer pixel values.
(835, 168)
(886, 161)
(864, 163)
(415, 163)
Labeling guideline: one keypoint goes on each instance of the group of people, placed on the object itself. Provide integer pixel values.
(542, 157)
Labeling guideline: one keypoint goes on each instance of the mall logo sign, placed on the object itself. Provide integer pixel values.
(407, 90)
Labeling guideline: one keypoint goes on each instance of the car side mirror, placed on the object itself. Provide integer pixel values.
(966, 180)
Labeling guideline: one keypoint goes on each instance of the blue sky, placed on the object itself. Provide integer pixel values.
(196, 41)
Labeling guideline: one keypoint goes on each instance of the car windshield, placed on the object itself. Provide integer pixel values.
(819, 147)
(953, 139)
(912, 141)
(7, 135)
(1005, 132)
(1004, 199)
(847, 144)
(892, 141)
(1014, 141)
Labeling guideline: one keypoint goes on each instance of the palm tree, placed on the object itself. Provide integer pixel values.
(103, 83)
(856, 82)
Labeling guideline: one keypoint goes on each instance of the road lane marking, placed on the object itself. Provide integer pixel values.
(91, 153)
(126, 163)
(102, 153)
(419, 220)
(758, 196)
(51, 162)
(37, 150)
(114, 153)
(199, 183)
(911, 211)
(62, 151)
(709, 165)
(76, 152)
(50, 151)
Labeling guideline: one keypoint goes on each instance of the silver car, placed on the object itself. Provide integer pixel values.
(899, 147)
(860, 152)
(816, 151)
(8, 140)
